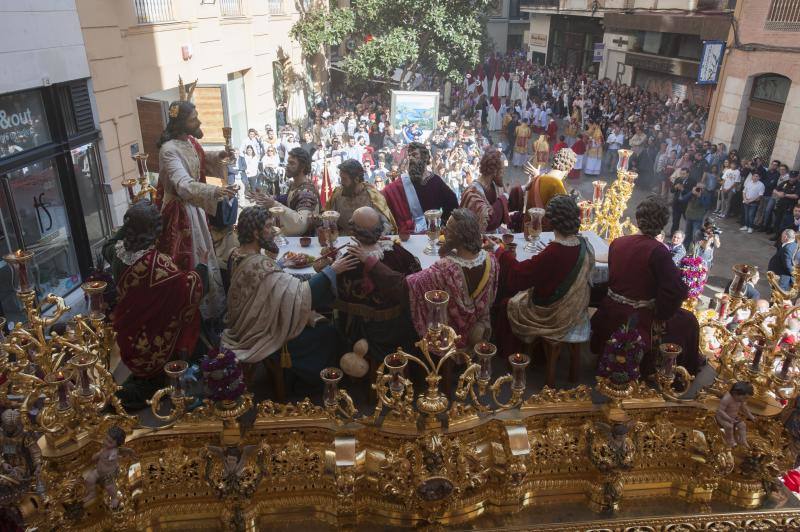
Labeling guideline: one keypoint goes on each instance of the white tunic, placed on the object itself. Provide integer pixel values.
(179, 173)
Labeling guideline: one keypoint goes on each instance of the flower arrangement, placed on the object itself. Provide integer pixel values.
(223, 375)
(694, 274)
(621, 356)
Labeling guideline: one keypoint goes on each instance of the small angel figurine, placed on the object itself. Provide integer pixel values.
(727, 415)
(107, 466)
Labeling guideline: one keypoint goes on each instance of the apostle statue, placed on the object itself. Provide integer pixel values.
(273, 313)
(545, 186)
(363, 311)
(186, 199)
(156, 317)
(465, 271)
(485, 196)
(645, 284)
(301, 203)
(418, 190)
(547, 295)
(354, 193)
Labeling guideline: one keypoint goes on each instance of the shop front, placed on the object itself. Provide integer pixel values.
(52, 200)
(669, 77)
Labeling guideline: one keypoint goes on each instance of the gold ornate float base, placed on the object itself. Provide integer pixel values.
(544, 468)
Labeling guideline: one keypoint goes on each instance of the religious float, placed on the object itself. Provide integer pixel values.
(450, 444)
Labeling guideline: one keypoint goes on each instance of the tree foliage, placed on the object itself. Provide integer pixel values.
(440, 39)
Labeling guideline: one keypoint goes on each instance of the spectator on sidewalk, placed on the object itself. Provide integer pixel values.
(730, 181)
(680, 187)
(752, 193)
(697, 202)
(676, 247)
(786, 194)
(782, 262)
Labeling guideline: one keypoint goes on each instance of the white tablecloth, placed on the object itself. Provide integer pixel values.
(416, 244)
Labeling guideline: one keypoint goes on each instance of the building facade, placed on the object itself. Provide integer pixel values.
(757, 105)
(52, 194)
(506, 26)
(237, 50)
(655, 44)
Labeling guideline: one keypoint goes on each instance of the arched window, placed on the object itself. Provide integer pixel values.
(771, 88)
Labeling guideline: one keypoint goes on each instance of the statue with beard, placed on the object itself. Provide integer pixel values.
(151, 329)
(273, 313)
(184, 195)
(301, 203)
(418, 190)
(363, 311)
(465, 271)
(485, 196)
(354, 193)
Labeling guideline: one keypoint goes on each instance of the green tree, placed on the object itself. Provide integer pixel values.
(440, 39)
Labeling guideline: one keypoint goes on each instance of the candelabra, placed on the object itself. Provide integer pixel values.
(146, 190)
(395, 391)
(754, 349)
(609, 207)
(70, 371)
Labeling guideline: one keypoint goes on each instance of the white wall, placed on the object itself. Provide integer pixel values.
(540, 25)
(40, 39)
(614, 58)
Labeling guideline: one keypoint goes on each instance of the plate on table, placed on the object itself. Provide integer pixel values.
(297, 260)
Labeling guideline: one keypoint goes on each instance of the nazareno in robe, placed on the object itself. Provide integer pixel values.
(641, 269)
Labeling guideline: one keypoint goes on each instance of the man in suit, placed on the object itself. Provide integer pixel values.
(782, 262)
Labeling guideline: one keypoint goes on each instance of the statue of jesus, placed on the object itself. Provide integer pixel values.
(184, 195)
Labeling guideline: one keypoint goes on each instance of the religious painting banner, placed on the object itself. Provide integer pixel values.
(415, 113)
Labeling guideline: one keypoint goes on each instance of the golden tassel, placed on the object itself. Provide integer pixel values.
(286, 359)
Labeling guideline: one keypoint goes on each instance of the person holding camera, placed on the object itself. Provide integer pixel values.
(707, 241)
(697, 205)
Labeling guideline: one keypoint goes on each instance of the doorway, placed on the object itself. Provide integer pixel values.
(237, 108)
(767, 100)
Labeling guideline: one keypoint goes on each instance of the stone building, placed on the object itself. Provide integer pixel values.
(756, 107)
(237, 50)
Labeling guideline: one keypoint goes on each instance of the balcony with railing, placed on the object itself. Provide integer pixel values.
(231, 8)
(783, 15)
(153, 11)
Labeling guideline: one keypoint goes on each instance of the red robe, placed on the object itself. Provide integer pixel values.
(552, 130)
(150, 327)
(435, 194)
(579, 147)
(641, 269)
(559, 146)
(545, 271)
(176, 237)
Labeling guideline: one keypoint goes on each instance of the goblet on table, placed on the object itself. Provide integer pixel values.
(276, 213)
(533, 229)
(433, 220)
